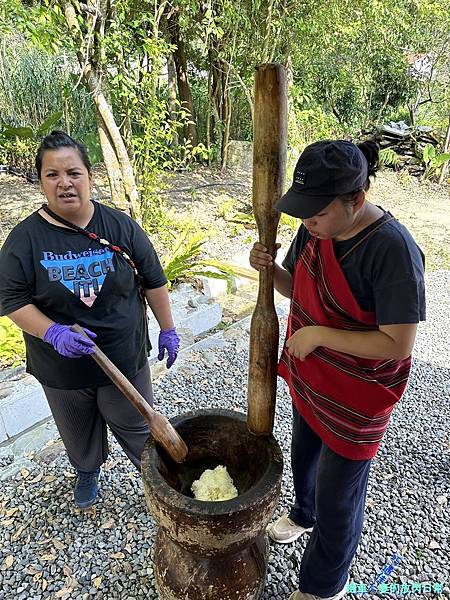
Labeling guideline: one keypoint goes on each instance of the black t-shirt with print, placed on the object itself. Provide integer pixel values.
(73, 279)
(385, 272)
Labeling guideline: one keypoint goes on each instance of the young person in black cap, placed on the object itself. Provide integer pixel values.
(355, 277)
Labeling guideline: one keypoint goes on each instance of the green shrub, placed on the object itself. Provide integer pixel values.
(309, 125)
(433, 160)
(18, 145)
(12, 347)
(226, 206)
(37, 83)
(290, 222)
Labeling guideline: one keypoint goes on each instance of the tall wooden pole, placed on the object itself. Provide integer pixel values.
(269, 163)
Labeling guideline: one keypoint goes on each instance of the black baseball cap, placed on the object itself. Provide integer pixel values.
(324, 170)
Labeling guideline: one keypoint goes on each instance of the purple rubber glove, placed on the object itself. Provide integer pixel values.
(67, 342)
(168, 340)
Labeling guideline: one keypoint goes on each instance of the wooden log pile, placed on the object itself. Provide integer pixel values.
(407, 142)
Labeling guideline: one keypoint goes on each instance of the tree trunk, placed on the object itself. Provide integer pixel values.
(66, 111)
(184, 90)
(108, 129)
(226, 101)
(172, 93)
(126, 111)
(208, 116)
(112, 167)
(215, 95)
(219, 70)
(267, 31)
(446, 149)
(132, 200)
(247, 93)
(293, 128)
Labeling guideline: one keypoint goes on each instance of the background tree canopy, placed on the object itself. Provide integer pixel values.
(153, 86)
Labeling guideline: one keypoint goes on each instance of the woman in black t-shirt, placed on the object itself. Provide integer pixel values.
(77, 261)
(356, 281)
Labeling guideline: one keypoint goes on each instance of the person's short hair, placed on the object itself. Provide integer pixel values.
(60, 139)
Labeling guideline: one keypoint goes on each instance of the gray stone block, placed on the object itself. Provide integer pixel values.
(22, 409)
(3, 434)
(189, 323)
(240, 154)
(204, 319)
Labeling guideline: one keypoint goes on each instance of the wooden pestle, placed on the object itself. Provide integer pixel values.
(269, 163)
(163, 432)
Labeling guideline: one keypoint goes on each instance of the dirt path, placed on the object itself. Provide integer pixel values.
(422, 206)
(209, 201)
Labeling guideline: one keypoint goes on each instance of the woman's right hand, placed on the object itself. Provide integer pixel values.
(68, 343)
(260, 259)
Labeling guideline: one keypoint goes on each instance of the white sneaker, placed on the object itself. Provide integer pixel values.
(285, 531)
(304, 596)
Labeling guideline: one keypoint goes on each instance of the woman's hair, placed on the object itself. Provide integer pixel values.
(59, 139)
(371, 151)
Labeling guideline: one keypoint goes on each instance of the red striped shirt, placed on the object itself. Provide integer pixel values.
(345, 399)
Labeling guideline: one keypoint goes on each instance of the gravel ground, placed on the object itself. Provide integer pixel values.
(48, 549)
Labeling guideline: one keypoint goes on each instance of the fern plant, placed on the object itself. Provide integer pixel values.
(184, 260)
(389, 158)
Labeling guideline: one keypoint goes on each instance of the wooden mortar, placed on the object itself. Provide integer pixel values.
(212, 550)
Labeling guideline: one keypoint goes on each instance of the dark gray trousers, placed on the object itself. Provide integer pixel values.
(82, 416)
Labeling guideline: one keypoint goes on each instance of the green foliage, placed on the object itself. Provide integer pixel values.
(433, 161)
(289, 222)
(184, 260)
(12, 347)
(350, 71)
(93, 147)
(350, 66)
(388, 158)
(18, 152)
(28, 133)
(155, 149)
(225, 208)
(246, 219)
(156, 217)
(18, 145)
(236, 230)
(37, 94)
(35, 84)
(312, 124)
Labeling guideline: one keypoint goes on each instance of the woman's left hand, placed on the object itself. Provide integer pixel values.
(303, 342)
(168, 340)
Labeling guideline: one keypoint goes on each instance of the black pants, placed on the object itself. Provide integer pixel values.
(330, 493)
(82, 416)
